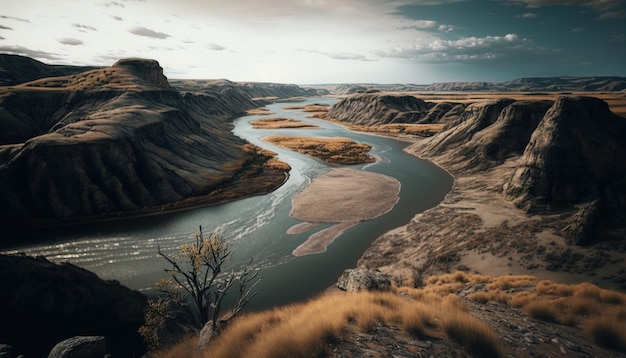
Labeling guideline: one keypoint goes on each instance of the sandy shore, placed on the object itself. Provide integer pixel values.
(335, 150)
(343, 196)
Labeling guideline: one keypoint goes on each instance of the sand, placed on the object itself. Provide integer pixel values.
(343, 196)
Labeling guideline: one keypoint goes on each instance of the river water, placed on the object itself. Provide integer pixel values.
(126, 250)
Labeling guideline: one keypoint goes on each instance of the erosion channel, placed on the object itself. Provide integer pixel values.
(126, 250)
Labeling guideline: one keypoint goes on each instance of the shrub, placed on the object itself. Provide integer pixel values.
(478, 339)
(609, 333)
(543, 310)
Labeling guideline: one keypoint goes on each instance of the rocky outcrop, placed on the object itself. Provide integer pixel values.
(486, 134)
(570, 157)
(574, 157)
(374, 108)
(460, 86)
(45, 302)
(148, 70)
(120, 140)
(80, 347)
(363, 279)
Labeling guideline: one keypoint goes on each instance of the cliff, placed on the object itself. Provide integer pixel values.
(42, 303)
(380, 108)
(120, 140)
(575, 157)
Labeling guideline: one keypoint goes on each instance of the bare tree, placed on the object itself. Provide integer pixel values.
(197, 270)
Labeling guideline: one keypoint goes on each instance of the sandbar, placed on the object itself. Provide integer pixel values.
(344, 196)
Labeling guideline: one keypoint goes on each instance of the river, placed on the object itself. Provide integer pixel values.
(126, 250)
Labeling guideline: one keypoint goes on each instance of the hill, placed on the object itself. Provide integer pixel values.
(120, 140)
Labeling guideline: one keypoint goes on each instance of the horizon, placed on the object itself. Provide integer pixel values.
(321, 42)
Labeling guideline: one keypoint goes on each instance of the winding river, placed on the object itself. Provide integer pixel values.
(126, 250)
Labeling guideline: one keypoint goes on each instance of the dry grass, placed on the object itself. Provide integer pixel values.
(435, 311)
(333, 150)
(408, 129)
(476, 337)
(280, 123)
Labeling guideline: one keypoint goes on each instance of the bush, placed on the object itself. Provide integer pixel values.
(478, 339)
(609, 333)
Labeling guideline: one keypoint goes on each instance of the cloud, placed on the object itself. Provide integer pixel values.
(578, 29)
(70, 41)
(468, 49)
(2, 38)
(420, 25)
(23, 51)
(446, 28)
(215, 47)
(528, 15)
(144, 31)
(117, 18)
(13, 18)
(598, 5)
(341, 55)
(84, 27)
(112, 3)
(613, 15)
(5, 28)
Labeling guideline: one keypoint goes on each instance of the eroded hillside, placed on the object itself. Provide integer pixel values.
(120, 140)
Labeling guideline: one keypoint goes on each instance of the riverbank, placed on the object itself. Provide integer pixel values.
(334, 150)
(475, 229)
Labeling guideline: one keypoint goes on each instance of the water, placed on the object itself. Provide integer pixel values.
(126, 250)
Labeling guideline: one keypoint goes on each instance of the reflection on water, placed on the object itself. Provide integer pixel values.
(257, 227)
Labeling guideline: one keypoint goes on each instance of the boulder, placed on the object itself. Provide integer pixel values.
(363, 279)
(80, 347)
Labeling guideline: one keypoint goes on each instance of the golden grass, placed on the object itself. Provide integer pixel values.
(608, 332)
(333, 150)
(436, 310)
(279, 123)
(476, 337)
(423, 130)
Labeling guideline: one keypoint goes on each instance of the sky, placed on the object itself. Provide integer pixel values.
(327, 41)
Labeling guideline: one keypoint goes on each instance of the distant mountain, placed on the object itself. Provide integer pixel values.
(530, 84)
(16, 69)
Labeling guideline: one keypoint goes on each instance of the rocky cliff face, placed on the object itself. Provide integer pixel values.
(259, 91)
(575, 157)
(42, 303)
(570, 157)
(378, 108)
(114, 141)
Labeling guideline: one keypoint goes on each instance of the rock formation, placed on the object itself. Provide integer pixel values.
(120, 140)
(569, 157)
(575, 157)
(42, 303)
(362, 279)
(374, 108)
(80, 347)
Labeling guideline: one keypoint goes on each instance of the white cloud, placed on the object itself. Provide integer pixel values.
(216, 47)
(465, 49)
(5, 28)
(599, 5)
(613, 15)
(528, 15)
(144, 31)
(84, 27)
(70, 41)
